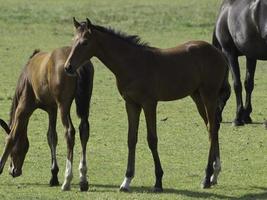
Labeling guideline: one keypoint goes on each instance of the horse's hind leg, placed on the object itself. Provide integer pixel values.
(235, 70)
(52, 142)
(249, 86)
(70, 137)
(200, 106)
(213, 167)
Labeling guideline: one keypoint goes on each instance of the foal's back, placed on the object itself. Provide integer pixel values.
(184, 69)
(46, 75)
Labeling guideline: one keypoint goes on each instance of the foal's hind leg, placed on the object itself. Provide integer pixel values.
(52, 141)
(213, 167)
(249, 86)
(70, 137)
(200, 106)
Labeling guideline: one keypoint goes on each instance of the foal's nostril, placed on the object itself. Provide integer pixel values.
(68, 69)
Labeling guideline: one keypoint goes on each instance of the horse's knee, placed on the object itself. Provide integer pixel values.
(84, 130)
(152, 141)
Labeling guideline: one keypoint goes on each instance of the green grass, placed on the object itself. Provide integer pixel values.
(183, 140)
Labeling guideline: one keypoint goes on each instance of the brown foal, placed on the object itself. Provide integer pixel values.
(146, 75)
(44, 84)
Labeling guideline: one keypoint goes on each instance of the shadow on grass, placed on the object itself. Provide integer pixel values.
(187, 193)
(253, 123)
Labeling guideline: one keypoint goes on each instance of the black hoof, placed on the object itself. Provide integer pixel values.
(214, 182)
(206, 184)
(123, 189)
(238, 122)
(84, 186)
(157, 190)
(247, 120)
(54, 182)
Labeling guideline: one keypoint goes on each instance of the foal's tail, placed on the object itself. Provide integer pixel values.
(224, 93)
(85, 76)
(5, 126)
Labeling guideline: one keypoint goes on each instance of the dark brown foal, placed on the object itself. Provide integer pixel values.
(146, 75)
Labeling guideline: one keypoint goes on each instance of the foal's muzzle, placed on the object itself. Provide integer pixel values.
(69, 70)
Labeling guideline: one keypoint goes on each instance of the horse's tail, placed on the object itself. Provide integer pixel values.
(5, 126)
(224, 93)
(85, 76)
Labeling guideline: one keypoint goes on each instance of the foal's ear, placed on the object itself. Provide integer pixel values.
(76, 23)
(89, 24)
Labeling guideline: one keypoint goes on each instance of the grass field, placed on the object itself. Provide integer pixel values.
(183, 140)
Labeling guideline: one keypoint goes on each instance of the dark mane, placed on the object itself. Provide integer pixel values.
(131, 39)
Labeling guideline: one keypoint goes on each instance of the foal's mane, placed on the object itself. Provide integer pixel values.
(21, 84)
(131, 39)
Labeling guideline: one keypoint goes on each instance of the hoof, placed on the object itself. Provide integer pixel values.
(238, 122)
(214, 182)
(206, 184)
(247, 120)
(157, 190)
(265, 124)
(84, 186)
(65, 188)
(124, 189)
(53, 182)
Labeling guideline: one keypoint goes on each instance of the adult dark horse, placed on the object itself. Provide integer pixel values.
(241, 30)
(44, 84)
(146, 75)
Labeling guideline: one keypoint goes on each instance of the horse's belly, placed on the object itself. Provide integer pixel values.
(254, 50)
(175, 91)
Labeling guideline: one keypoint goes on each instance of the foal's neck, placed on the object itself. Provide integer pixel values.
(120, 56)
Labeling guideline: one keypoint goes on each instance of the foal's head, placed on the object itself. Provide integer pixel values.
(17, 156)
(82, 48)
(18, 152)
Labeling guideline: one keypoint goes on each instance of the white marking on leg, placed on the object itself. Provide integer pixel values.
(126, 183)
(217, 169)
(68, 176)
(83, 171)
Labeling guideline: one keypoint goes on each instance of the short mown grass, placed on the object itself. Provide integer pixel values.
(183, 139)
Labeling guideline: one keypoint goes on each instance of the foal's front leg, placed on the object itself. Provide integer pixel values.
(133, 113)
(70, 137)
(152, 139)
